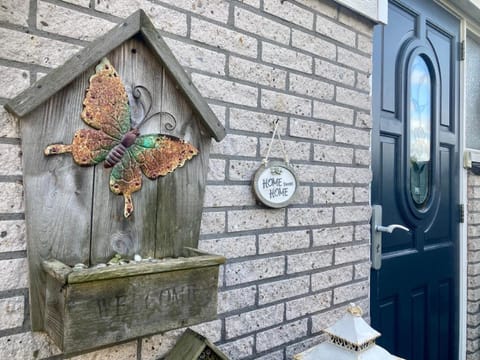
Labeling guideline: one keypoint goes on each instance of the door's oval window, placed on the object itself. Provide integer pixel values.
(420, 130)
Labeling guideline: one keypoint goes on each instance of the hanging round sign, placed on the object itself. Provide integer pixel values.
(275, 184)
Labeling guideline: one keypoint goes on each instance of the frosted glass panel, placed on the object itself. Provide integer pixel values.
(473, 93)
(420, 130)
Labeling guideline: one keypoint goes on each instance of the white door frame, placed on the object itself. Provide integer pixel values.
(467, 25)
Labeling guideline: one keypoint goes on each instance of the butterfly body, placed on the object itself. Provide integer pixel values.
(116, 154)
(115, 141)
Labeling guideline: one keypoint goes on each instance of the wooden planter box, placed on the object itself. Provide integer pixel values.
(99, 306)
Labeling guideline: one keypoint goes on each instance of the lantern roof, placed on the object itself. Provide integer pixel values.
(329, 351)
(350, 338)
(352, 328)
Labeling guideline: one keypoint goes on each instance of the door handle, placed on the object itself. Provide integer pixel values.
(389, 229)
(376, 231)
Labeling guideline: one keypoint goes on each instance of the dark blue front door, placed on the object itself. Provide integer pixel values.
(414, 295)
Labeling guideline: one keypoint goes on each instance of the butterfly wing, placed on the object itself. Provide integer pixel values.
(106, 109)
(125, 179)
(89, 147)
(158, 155)
(155, 155)
(106, 105)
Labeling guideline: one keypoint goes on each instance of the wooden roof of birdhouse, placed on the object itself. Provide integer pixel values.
(193, 346)
(138, 24)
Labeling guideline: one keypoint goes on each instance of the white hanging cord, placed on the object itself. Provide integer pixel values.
(275, 132)
(285, 155)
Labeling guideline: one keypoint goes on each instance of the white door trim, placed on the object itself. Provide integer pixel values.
(467, 25)
(463, 241)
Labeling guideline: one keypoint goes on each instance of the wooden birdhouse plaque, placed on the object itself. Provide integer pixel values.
(115, 153)
(193, 346)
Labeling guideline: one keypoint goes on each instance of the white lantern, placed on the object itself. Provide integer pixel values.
(348, 339)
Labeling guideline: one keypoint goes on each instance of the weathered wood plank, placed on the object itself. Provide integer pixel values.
(58, 193)
(104, 312)
(112, 232)
(55, 310)
(165, 55)
(180, 194)
(190, 252)
(144, 268)
(46, 87)
(56, 269)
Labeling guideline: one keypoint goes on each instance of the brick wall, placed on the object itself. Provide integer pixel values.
(290, 272)
(473, 268)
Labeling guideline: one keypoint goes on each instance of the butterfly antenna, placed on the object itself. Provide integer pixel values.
(170, 125)
(137, 102)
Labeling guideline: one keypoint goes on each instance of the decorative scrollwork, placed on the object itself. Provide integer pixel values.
(141, 103)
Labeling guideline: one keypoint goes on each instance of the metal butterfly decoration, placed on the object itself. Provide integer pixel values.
(110, 109)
